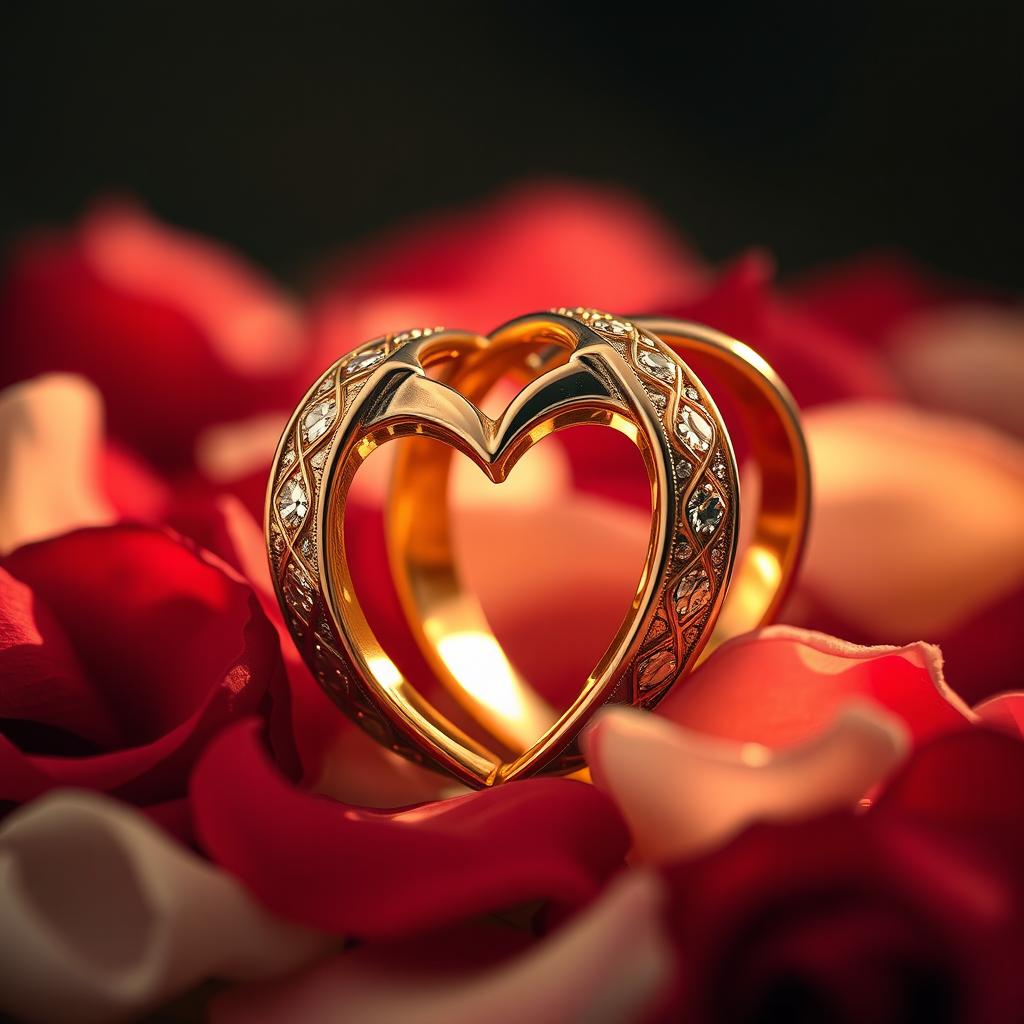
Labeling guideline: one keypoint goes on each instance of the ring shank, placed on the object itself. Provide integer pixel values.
(447, 620)
(771, 423)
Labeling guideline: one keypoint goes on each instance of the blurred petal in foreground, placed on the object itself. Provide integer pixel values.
(681, 792)
(101, 915)
(607, 964)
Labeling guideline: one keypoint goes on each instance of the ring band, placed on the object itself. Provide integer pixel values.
(579, 366)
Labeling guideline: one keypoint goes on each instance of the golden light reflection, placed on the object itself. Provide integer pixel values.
(477, 661)
(385, 671)
(755, 755)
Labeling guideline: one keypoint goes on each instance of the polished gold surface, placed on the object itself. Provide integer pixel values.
(576, 367)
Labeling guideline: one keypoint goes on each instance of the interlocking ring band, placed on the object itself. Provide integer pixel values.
(577, 366)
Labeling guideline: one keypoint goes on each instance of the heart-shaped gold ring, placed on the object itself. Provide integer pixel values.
(578, 366)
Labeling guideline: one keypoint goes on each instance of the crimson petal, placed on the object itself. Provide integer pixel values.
(378, 874)
(172, 646)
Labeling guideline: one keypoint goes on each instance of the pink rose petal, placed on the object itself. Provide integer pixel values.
(917, 518)
(51, 436)
(780, 686)
(966, 359)
(681, 792)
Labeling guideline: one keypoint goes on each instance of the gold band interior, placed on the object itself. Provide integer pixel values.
(447, 620)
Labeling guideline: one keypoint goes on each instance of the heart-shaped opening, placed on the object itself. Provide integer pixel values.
(552, 554)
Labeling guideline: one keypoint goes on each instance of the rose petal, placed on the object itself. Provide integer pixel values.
(377, 874)
(172, 648)
(584, 971)
(1004, 712)
(972, 779)
(51, 435)
(44, 684)
(681, 792)
(101, 915)
(847, 918)
(231, 451)
(173, 330)
(966, 360)
(818, 361)
(539, 246)
(917, 518)
(871, 296)
(780, 686)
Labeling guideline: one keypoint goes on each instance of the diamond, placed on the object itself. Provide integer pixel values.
(298, 591)
(691, 394)
(705, 510)
(694, 430)
(292, 503)
(363, 361)
(319, 418)
(693, 592)
(658, 668)
(276, 538)
(319, 459)
(616, 327)
(325, 386)
(406, 336)
(683, 469)
(657, 364)
(308, 549)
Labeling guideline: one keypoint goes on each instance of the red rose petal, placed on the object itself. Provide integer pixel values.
(538, 246)
(171, 648)
(818, 362)
(173, 330)
(780, 685)
(972, 779)
(848, 918)
(1004, 711)
(379, 874)
(43, 681)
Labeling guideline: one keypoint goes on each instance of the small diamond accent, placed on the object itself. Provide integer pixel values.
(683, 469)
(694, 430)
(656, 669)
(657, 364)
(691, 394)
(685, 552)
(319, 459)
(325, 386)
(308, 549)
(288, 458)
(616, 327)
(705, 510)
(293, 504)
(364, 361)
(319, 418)
(693, 592)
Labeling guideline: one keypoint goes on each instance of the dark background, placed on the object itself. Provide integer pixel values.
(295, 134)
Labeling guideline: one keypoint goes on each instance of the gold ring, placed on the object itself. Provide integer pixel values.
(577, 366)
